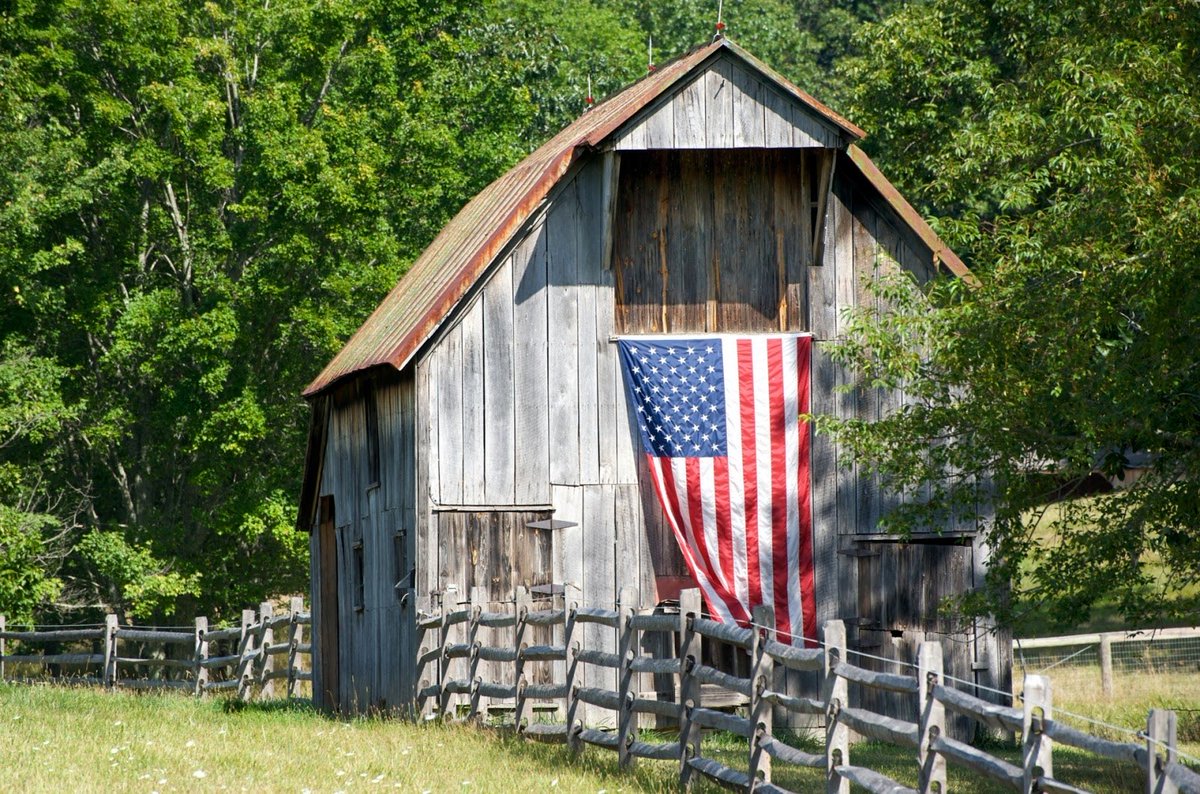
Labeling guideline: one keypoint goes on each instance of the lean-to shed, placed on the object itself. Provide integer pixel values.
(484, 393)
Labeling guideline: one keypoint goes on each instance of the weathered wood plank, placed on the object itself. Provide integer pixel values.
(450, 426)
(659, 128)
(808, 131)
(532, 423)
(718, 105)
(688, 110)
(563, 295)
(500, 397)
(748, 129)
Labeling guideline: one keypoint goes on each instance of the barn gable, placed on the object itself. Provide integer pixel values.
(733, 102)
(484, 394)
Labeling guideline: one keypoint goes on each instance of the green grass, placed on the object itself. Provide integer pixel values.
(85, 740)
(54, 738)
(1105, 615)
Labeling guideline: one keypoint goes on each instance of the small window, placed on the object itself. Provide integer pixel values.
(359, 589)
(372, 427)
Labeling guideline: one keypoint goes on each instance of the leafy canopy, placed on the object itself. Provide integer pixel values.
(1056, 145)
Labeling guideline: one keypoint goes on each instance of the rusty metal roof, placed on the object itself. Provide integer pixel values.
(454, 261)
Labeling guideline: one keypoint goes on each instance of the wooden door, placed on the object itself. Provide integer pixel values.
(902, 593)
(327, 641)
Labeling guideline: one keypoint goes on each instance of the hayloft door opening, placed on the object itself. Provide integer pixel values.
(327, 641)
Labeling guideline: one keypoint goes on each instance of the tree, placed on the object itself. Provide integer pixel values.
(199, 203)
(1056, 146)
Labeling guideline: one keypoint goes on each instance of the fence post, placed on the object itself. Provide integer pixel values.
(295, 637)
(572, 666)
(521, 603)
(475, 604)
(109, 676)
(627, 648)
(2, 630)
(1037, 755)
(1160, 751)
(689, 687)
(443, 662)
(245, 651)
(266, 665)
(836, 694)
(761, 675)
(931, 765)
(1106, 673)
(200, 654)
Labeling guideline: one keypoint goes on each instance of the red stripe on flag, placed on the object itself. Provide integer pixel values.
(808, 593)
(779, 475)
(695, 518)
(745, 361)
(724, 521)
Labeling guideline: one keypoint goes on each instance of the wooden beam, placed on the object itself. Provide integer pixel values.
(824, 186)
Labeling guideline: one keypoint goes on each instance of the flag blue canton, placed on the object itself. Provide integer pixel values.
(677, 391)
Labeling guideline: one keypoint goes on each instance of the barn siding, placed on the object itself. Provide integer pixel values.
(374, 633)
(728, 106)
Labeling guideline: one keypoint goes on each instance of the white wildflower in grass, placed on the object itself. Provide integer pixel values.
(114, 751)
(199, 774)
(554, 783)
(117, 723)
(189, 743)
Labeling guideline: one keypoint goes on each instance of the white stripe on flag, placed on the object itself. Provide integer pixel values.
(737, 482)
(791, 405)
(762, 463)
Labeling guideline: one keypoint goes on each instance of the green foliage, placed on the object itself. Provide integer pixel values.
(1056, 146)
(24, 582)
(198, 205)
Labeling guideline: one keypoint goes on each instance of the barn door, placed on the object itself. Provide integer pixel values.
(901, 588)
(327, 625)
(492, 552)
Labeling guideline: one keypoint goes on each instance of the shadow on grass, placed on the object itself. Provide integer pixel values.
(232, 705)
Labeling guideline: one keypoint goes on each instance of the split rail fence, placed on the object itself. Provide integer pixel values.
(248, 658)
(454, 686)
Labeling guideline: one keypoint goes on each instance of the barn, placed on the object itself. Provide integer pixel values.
(474, 436)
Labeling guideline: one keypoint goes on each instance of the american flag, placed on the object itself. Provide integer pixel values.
(720, 424)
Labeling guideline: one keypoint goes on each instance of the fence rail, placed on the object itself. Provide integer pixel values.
(456, 685)
(264, 648)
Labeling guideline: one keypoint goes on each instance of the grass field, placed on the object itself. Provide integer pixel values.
(60, 739)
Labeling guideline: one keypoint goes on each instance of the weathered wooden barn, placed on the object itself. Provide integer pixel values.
(484, 394)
